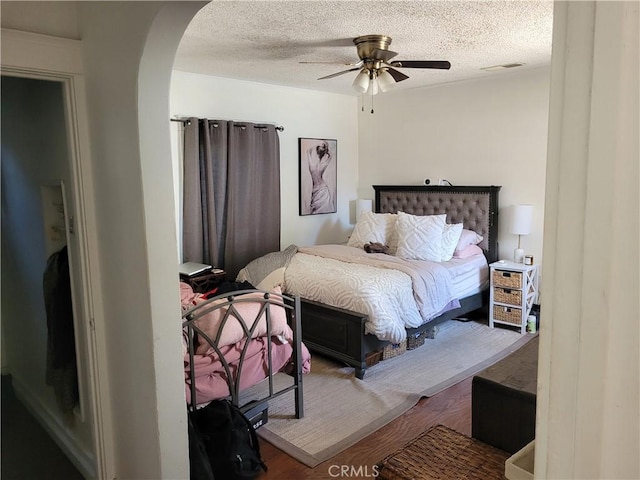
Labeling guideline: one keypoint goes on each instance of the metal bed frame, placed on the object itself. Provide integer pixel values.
(228, 302)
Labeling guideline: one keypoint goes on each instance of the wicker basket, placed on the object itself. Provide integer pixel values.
(443, 453)
(507, 314)
(394, 349)
(506, 295)
(416, 340)
(373, 357)
(505, 279)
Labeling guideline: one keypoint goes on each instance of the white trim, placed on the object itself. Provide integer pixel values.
(36, 52)
(90, 269)
(82, 458)
(78, 317)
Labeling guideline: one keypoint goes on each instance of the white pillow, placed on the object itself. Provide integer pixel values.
(450, 237)
(420, 237)
(373, 227)
(467, 237)
(273, 280)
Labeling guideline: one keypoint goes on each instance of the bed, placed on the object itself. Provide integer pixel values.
(341, 333)
(355, 303)
(234, 343)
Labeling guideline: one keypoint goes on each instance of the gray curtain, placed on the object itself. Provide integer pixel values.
(231, 205)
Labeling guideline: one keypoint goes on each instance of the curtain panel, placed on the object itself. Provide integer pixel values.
(231, 204)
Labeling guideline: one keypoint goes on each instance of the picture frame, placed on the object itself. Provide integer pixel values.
(318, 182)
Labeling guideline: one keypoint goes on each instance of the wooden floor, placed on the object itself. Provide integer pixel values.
(451, 407)
(28, 452)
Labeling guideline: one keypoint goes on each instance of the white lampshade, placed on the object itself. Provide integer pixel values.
(361, 82)
(520, 224)
(385, 80)
(521, 216)
(363, 205)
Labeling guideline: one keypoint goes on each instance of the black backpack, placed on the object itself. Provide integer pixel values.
(229, 440)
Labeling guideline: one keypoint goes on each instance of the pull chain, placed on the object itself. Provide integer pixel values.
(372, 102)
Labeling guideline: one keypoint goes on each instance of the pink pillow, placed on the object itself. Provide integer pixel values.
(468, 251)
(467, 237)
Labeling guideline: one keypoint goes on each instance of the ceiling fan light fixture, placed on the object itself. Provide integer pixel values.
(376, 72)
(385, 80)
(361, 82)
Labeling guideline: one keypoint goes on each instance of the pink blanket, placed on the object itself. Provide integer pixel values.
(243, 311)
(211, 379)
(210, 376)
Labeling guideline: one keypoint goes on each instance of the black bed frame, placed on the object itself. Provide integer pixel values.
(340, 334)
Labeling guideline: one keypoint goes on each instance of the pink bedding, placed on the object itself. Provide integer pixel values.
(210, 375)
(233, 332)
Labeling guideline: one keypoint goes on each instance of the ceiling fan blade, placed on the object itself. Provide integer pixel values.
(441, 64)
(334, 42)
(359, 64)
(339, 73)
(397, 75)
(384, 55)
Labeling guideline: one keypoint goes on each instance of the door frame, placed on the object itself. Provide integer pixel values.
(36, 56)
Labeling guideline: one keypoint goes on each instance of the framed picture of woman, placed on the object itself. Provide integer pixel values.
(318, 175)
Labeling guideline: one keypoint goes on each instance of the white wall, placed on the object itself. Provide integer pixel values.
(303, 113)
(589, 371)
(58, 19)
(484, 132)
(111, 58)
(128, 72)
(154, 80)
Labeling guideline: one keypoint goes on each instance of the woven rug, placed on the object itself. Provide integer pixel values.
(444, 453)
(340, 410)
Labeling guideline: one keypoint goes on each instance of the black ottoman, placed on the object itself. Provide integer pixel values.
(503, 400)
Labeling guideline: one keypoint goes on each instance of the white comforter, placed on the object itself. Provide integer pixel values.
(394, 293)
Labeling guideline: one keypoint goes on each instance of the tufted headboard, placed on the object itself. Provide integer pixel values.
(475, 207)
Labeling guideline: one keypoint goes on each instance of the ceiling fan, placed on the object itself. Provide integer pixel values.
(377, 71)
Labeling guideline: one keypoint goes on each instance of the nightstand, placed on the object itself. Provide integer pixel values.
(205, 281)
(514, 287)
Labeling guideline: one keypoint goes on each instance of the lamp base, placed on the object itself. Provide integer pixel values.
(518, 255)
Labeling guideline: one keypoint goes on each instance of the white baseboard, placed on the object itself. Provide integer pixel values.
(83, 459)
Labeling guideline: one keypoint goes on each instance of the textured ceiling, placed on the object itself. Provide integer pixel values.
(265, 41)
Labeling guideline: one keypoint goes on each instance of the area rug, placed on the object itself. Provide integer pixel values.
(340, 410)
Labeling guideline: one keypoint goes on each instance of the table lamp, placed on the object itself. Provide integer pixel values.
(520, 225)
